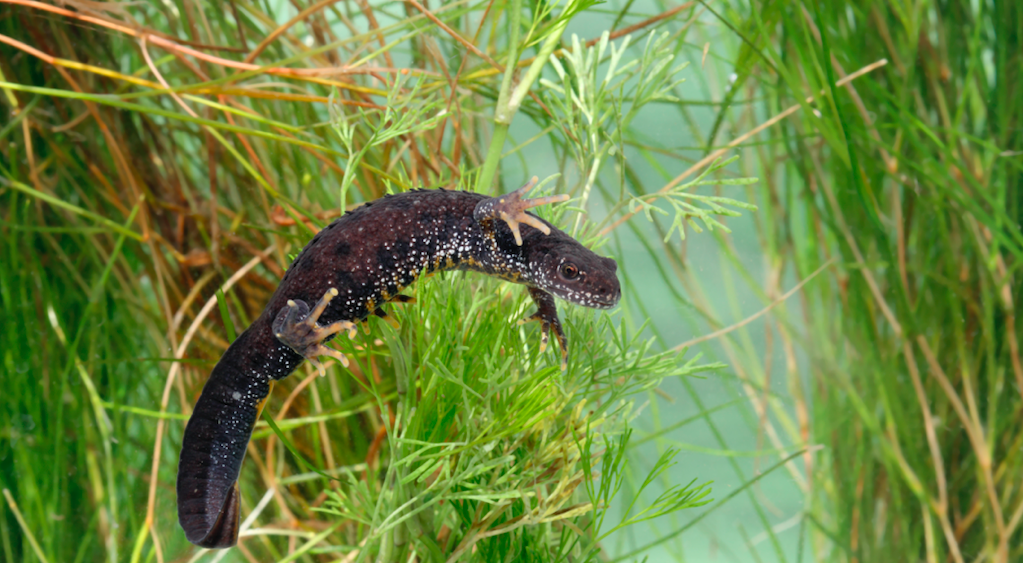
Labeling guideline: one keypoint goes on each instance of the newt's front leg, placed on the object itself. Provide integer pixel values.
(547, 314)
(296, 326)
(512, 208)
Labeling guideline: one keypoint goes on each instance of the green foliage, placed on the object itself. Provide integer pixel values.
(676, 497)
(893, 193)
(137, 259)
(489, 442)
(908, 178)
(597, 111)
(404, 113)
(686, 213)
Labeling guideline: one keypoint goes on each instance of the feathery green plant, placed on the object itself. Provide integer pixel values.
(142, 192)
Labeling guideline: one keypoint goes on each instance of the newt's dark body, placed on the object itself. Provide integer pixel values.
(367, 256)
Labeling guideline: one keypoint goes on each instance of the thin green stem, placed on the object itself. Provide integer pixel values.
(486, 176)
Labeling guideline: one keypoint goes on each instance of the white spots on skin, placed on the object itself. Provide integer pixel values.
(435, 233)
(439, 244)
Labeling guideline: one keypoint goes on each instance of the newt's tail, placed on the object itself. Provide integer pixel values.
(212, 452)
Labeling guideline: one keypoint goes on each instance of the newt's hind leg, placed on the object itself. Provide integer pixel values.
(512, 208)
(296, 326)
(547, 314)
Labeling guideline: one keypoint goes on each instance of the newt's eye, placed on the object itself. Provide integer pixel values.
(569, 271)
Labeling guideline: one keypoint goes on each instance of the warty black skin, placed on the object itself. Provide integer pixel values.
(368, 256)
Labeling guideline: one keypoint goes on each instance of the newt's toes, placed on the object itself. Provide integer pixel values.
(297, 326)
(512, 209)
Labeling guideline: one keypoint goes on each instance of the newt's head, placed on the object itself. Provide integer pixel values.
(574, 273)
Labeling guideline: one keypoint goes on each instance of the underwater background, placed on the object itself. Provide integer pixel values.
(817, 201)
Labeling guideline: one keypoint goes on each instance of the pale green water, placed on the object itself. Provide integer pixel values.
(720, 536)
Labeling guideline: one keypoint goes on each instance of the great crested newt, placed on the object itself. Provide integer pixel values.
(349, 269)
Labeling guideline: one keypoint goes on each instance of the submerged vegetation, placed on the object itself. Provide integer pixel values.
(454, 437)
(163, 159)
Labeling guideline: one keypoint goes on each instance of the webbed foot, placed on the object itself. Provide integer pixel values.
(547, 314)
(512, 208)
(296, 326)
